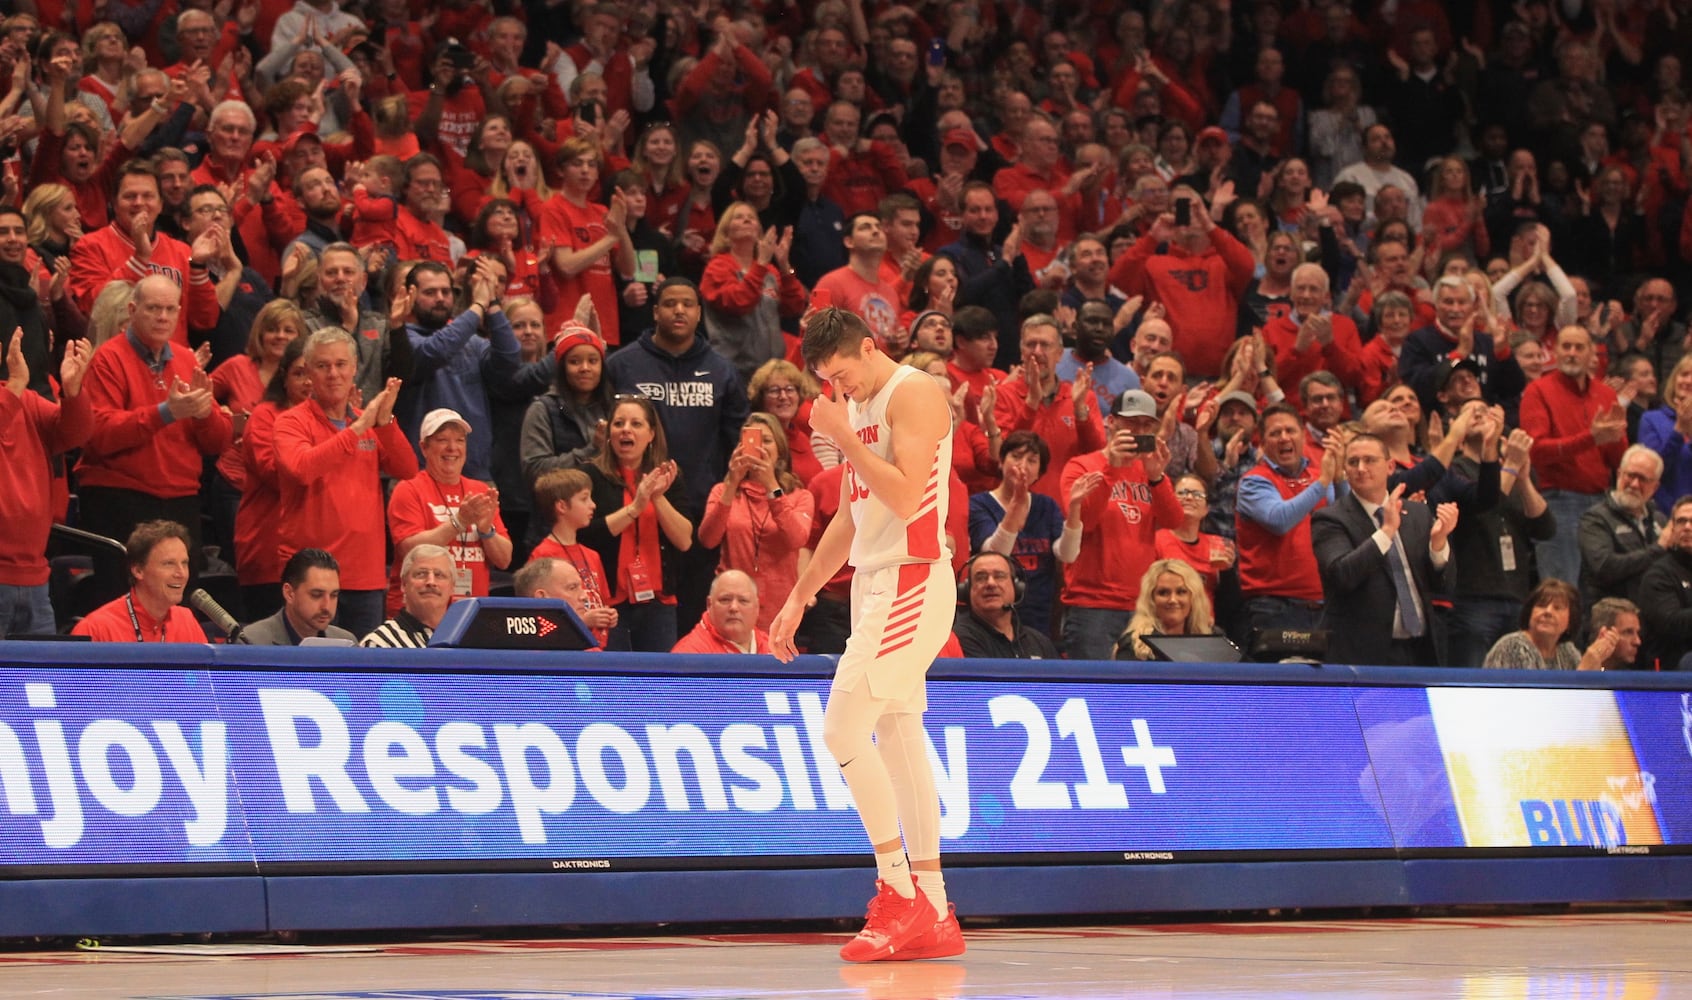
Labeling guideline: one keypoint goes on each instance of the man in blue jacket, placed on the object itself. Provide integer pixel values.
(453, 366)
(701, 402)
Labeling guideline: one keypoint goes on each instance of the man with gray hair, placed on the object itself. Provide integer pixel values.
(818, 221)
(1614, 625)
(1579, 435)
(259, 219)
(1625, 533)
(1311, 338)
(1430, 352)
(425, 591)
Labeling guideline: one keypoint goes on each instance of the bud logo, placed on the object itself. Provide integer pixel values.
(1573, 823)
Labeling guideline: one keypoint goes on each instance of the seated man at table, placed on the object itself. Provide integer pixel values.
(311, 593)
(559, 579)
(730, 624)
(988, 625)
(157, 555)
(426, 580)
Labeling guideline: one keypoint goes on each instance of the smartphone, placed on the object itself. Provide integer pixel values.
(589, 113)
(1183, 211)
(1145, 444)
(646, 266)
(937, 53)
(752, 440)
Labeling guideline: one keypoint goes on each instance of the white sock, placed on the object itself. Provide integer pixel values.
(933, 885)
(893, 869)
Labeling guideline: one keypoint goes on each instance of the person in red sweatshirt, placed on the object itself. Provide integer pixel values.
(730, 624)
(154, 421)
(1062, 413)
(1198, 278)
(416, 237)
(332, 458)
(32, 430)
(1117, 499)
(131, 248)
(1313, 338)
(157, 554)
(1579, 432)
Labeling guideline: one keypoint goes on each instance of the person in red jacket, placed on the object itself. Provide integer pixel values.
(33, 430)
(1117, 499)
(1198, 278)
(1312, 338)
(861, 171)
(1579, 432)
(157, 554)
(131, 248)
(416, 237)
(155, 420)
(259, 217)
(332, 458)
(730, 624)
(1062, 413)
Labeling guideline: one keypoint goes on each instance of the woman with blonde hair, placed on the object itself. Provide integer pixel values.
(238, 385)
(1172, 602)
(658, 161)
(105, 68)
(785, 391)
(1453, 218)
(1667, 430)
(51, 222)
(747, 288)
(761, 516)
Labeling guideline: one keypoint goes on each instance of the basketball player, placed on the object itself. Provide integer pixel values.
(894, 427)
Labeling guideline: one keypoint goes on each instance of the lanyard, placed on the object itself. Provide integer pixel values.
(134, 621)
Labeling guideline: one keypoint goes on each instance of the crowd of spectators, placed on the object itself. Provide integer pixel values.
(1257, 318)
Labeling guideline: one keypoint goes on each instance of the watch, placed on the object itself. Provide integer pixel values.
(777, 493)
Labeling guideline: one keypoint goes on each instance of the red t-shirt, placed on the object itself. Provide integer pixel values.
(421, 504)
(1119, 523)
(595, 588)
(877, 303)
(568, 226)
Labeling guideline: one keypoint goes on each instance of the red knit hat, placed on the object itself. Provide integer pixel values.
(576, 335)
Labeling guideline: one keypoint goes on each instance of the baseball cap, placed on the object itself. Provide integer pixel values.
(434, 420)
(961, 137)
(573, 336)
(1136, 403)
(1448, 368)
(1238, 396)
(1212, 134)
(916, 324)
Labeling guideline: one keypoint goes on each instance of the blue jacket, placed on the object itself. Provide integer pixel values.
(453, 369)
(700, 401)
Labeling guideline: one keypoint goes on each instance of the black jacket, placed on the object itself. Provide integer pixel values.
(1357, 584)
(1665, 608)
(982, 641)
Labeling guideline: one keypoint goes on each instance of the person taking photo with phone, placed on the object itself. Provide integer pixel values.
(1118, 497)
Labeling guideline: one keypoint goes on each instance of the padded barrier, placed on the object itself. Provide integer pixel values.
(151, 790)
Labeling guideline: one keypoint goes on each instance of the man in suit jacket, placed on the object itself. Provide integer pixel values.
(311, 592)
(1380, 559)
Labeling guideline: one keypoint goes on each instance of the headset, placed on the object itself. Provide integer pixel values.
(1019, 583)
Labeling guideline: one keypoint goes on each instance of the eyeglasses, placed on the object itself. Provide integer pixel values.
(781, 390)
(211, 211)
(1190, 494)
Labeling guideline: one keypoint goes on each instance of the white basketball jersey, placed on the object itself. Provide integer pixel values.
(881, 538)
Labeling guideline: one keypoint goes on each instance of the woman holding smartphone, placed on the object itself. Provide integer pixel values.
(760, 515)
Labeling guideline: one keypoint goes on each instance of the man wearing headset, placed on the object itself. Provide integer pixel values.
(992, 587)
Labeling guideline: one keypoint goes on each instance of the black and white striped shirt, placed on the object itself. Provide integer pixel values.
(402, 631)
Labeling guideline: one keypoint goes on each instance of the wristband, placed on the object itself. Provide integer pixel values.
(485, 535)
(1513, 472)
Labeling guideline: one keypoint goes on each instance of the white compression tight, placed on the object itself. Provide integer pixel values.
(891, 781)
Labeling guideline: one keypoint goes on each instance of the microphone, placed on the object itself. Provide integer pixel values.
(206, 605)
